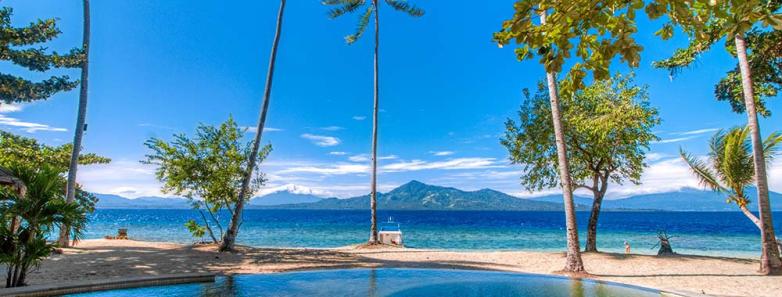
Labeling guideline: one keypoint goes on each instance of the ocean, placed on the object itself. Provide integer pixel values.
(699, 233)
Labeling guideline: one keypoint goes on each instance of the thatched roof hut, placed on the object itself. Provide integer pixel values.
(6, 178)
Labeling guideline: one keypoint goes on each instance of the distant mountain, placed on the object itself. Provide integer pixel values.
(687, 199)
(114, 201)
(416, 195)
(289, 194)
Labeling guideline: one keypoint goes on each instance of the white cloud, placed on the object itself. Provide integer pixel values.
(124, 177)
(365, 158)
(696, 132)
(27, 126)
(292, 188)
(338, 153)
(359, 118)
(255, 129)
(321, 140)
(9, 108)
(678, 139)
(662, 176)
(774, 173)
(331, 128)
(459, 163)
(339, 169)
(441, 153)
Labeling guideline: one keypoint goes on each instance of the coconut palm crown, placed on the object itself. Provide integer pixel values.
(344, 7)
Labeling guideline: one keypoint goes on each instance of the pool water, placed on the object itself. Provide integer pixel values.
(390, 283)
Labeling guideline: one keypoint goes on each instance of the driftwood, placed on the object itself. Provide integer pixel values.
(664, 243)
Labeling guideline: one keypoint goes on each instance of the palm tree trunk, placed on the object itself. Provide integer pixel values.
(573, 262)
(64, 239)
(770, 262)
(373, 186)
(229, 239)
(751, 217)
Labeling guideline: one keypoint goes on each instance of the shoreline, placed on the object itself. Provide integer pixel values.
(687, 274)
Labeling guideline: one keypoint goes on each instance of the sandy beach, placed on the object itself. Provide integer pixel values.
(694, 275)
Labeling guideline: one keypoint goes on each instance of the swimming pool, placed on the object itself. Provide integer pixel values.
(390, 283)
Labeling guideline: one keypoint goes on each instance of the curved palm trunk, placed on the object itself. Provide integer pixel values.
(373, 186)
(64, 239)
(770, 262)
(573, 262)
(229, 239)
(751, 217)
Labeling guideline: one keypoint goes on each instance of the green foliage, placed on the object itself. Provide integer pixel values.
(18, 150)
(28, 219)
(343, 7)
(729, 167)
(196, 230)
(708, 22)
(594, 31)
(207, 168)
(16, 47)
(609, 129)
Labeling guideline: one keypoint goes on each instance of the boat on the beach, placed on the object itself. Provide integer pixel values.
(390, 233)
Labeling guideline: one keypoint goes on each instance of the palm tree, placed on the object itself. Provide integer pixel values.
(347, 6)
(730, 167)
(573, 261)
(64, 239)
(41, 209)
(236, 218)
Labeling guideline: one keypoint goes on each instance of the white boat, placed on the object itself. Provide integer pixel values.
(390, 233)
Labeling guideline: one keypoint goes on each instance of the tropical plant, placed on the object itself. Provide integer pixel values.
(596, 32)
(344, 7)
(729, 168)
(609, 131)
(208, 169)
(706, 22)
(233, 229)
(16, 47)
(78, 132)
(42, 208)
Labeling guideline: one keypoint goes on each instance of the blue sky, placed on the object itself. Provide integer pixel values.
(162, 67)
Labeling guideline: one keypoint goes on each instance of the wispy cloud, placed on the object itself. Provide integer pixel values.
(359, 118)
(338, 153)
(678, 139)
(121, 177)
(265, 129)
(696, 132)
(458, 163)
(321, 140)
(441, 153)
(365, 158)
(28, 127)
(339, 169)
(9, 108)
(331, 128)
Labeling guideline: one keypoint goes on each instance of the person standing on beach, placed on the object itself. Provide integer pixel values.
(627, 248)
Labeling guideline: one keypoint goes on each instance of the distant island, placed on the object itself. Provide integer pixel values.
(416, 195)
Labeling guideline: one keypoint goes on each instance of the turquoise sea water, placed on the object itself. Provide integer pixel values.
(701, 233)
(391, 283)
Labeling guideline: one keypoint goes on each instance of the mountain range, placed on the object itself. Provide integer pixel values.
(416, 195)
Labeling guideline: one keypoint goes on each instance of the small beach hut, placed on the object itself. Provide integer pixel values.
(390, 233)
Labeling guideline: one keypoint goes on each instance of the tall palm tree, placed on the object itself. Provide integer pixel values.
(348, 6)
(236, 218)
(770, 261)
(730, 167)
(64, 239)
(573, 262)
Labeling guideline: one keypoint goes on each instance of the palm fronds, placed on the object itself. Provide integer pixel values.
(345, 7)
(403, 6)
(363, 22)
(705, 176)
(771, 146)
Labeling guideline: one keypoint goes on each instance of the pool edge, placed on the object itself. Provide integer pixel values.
(108, 284)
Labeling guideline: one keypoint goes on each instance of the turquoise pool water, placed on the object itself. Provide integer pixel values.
(391, 283)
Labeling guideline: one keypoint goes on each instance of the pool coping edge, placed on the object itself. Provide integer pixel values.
(108, 284)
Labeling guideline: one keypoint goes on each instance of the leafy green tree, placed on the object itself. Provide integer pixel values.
(230, 237)
(16, 151)
(596, 32)
(42, 208)
(609, 131)
(208, 169)
(17, 46)
(344, 7)
(706, 22)
(81, 116)
(729, 167)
